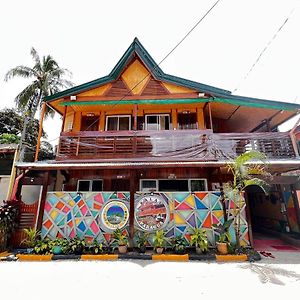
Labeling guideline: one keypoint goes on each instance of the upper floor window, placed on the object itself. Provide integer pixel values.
(187, 120)
(122, 122)
(158, 122)
(89, 123)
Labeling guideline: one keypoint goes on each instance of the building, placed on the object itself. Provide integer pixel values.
(139, 138)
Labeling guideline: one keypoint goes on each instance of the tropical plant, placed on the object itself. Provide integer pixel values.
(32, 236)
(159, 239)
(48, 78)
(141, 240)
(43, 246)
(245, 169)
(179, 244)
(222, 231)
(9, 138)
(96, 247)
(9, 215)
(120, 237)
(199, 239)
(74, 246)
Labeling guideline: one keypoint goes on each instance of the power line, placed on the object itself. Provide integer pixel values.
(264, 49)
(157, 65)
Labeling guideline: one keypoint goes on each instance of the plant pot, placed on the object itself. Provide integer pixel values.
(198, 250)
(159, 250)
(222, 248)
(122, 249)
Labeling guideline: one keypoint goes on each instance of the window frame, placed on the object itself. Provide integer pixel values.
(90, 184)
(118, 116)
(157, 115)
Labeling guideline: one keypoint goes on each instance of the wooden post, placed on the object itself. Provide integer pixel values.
(210, 117)
(135, 112)
(131, 211)
(64, 119)
(174, 118)
(40, 132)
(42, 201)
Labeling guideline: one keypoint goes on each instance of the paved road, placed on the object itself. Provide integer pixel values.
(276, 278)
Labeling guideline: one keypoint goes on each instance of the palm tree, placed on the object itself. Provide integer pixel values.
(47, 79)
(245, 169)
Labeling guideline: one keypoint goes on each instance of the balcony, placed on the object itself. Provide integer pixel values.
(170, 145)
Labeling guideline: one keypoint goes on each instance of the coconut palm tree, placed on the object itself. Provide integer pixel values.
(246, 170)
(47, 79)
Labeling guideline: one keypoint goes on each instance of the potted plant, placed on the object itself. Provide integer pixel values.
(224, 237)
(75, 246)
(179, 245)
(199, 240)
(31, 239)
(96, 247)
(141, 241)
(43, 246)
(121, 239)
(159, 241)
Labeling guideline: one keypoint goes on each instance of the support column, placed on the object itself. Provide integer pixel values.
(40, 132)
(131, 211)
(135, 113)
(64, 119)
(41, 207)
(210, 117)
(174, 118)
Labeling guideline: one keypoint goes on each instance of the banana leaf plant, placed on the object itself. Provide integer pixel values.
(248, 169)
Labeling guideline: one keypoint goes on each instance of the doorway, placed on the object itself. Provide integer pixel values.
(120, 185)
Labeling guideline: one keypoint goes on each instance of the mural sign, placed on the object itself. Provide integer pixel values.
(114, 215)
(151, 212)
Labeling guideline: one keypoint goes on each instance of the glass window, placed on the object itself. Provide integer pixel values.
(89, 123)
(173, 185)
(198, 185)
(157, 122)
(148, 185)
(187, 121)
(90, 185)
(118, 123)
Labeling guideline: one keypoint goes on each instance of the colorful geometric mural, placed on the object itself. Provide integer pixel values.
(188, 211)
(93, 215)
(291, 211)
(86, 215)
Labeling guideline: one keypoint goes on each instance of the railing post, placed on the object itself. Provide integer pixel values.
(77, 147)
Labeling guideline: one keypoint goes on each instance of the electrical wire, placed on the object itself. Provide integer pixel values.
(264, 50)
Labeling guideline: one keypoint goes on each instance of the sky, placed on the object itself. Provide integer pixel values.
(89, 37)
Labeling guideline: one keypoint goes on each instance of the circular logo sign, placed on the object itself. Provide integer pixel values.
(114, 215)
(151, 212)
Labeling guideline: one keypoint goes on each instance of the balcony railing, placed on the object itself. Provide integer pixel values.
(172, 145)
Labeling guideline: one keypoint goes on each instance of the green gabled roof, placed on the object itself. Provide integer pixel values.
(217, 94)
(138, 48)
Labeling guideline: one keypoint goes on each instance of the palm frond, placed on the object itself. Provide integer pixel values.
(258, 182)
(19, 71)
(249, 156)
(26, 96)
(35, 56)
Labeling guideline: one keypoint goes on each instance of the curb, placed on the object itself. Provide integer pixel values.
(133, 256)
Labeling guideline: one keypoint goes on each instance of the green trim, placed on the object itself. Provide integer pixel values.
(237, 101)
(254, 103)
(143, 101)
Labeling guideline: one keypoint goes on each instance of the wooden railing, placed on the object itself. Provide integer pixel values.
(172, 145)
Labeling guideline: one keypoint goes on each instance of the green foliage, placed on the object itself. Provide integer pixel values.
(47, 79)
(222, 231)
(141, 239)
(74, 246)
(96, 247)
(9, 138)
(43, 246)
(9, 214)
(120, 237)
(159, 239)
(32, 236)
(199, 239)
(179, 244)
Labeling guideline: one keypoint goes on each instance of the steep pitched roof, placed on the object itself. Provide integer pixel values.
(137, 48)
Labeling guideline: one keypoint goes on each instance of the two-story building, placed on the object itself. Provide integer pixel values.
(141, 149)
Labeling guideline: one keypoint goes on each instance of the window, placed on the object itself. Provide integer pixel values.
(89, 123)
(158, 122)
(90, 185)
(187, 120)
(118, 123)
(148, 185)
(173, 185)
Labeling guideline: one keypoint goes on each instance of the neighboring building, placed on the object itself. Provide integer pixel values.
(141, 149)
(8, 155)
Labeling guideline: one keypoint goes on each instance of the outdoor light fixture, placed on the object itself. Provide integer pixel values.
(90, 114)
(201, 95)
(73, 98)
